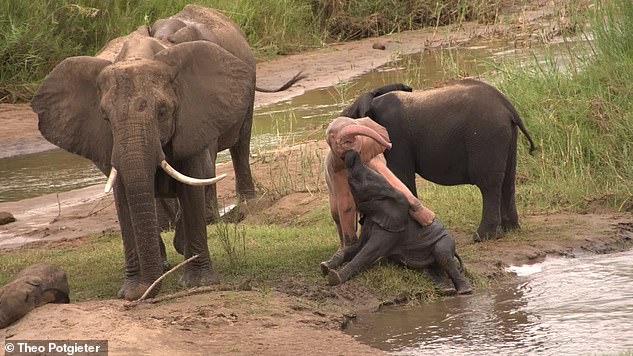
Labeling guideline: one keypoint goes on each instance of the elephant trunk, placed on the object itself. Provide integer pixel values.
(136, 156)
(354, 130)
(138, 182)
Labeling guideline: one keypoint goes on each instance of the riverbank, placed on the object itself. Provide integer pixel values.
(273, 299)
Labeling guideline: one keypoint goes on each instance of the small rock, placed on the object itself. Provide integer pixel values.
(6, 218)
(379, 45)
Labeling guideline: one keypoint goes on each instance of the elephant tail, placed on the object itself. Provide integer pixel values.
(516, 119)
(461, 263)
(288, 84)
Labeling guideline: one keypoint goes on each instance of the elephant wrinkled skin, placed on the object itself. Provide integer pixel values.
(462, 133)
(145, 103)
(32, 287)
(389, 232)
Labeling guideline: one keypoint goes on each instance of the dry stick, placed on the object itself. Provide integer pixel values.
(165, 275)
(185, 293)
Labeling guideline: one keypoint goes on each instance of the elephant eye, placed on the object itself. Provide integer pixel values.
(163, 111)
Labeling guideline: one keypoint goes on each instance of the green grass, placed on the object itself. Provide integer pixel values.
(582, 120)
(36, 35)
(273, 253)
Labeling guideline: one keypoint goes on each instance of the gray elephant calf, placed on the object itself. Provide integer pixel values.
(389, 232)
(32, 287)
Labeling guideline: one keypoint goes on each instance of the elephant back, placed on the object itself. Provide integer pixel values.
(216, 27)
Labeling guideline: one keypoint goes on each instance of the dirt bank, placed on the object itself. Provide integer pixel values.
(294, 317)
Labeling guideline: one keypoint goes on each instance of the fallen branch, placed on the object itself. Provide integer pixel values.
(244, 286)
(165, 275)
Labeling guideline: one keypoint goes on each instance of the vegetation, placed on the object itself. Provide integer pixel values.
(36, 35)
(577, 107)
(580, 110)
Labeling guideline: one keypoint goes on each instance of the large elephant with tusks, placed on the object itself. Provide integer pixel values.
(152, 110)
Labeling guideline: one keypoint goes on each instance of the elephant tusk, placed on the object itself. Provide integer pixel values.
(111, 180)
(354, 130)
(188, 180)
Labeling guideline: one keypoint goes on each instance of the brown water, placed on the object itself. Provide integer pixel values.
(579, 306)
(279, 125)
(45, 172)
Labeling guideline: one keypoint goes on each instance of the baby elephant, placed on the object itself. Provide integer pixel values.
(32, 287)
(388, 231)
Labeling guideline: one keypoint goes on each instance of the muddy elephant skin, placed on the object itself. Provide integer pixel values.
(32, 287)
(389, 232)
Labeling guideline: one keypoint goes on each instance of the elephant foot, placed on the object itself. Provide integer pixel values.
(486, 235)
(445, 287)
(464, 288)
(333, 278)
(510, 226)
(325, 268)
(133, 290)
(196, 277)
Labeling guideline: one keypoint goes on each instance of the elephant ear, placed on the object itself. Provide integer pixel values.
(360, 107)
(215, 91)
(387, 212)
(67, 106)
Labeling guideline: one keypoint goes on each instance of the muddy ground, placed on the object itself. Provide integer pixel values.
(294, 318)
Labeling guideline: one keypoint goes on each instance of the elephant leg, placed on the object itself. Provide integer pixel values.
(490, 225)
(334, 210)
(509, 214)
(402, 164)
(444, 254)
(369, 253)
(211, 214)
(342, 255)
(436, 274)
(131, 285)
(192, 201)
(240, 155)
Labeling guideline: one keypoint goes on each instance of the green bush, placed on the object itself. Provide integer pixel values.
(36, 35)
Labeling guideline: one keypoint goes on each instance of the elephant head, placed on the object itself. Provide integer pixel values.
(151, 106)
(365, 136)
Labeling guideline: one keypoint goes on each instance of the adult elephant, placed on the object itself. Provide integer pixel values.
(462, 133)
(144, 103)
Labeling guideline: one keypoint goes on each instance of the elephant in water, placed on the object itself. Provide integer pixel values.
(153, 115)
(389, 232)
(461, 133)
(32, 287)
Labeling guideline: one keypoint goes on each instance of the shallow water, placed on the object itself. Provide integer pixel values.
(45, 172)
(279, 125)
(579, 306)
